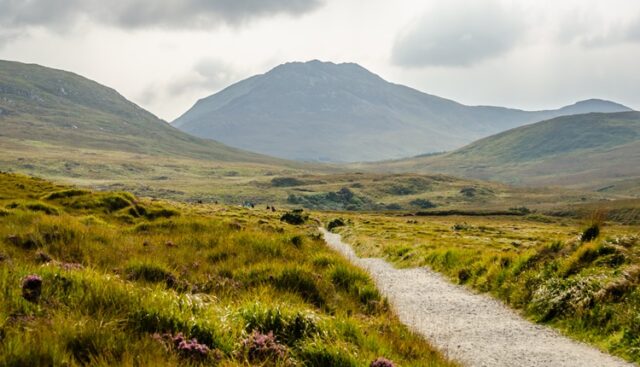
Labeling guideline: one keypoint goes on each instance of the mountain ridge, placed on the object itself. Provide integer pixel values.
(586, 151)
(318, 111)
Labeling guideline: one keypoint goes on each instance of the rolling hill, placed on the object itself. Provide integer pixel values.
(596, 151)
(321, 111)
(62, 126)
(61, 108)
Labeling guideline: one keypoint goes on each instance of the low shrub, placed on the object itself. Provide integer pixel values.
(382, 362)
(42, 207)
(590, 233)
(148, 272)
(63, 194)
(345, 277)
(295, 217)
(422, 203)
(287, 325)
(297, 241)
(301, 282)
(259, 347)
(321, 354)
(335, 223)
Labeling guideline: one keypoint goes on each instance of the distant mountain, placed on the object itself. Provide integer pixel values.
(598, 151)
(64, 109)
(321, 111)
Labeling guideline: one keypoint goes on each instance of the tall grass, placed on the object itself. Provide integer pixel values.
(119, 283)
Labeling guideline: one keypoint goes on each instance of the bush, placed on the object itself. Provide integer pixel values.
(286, 182)
(41, 207)
(66, 194)
(301, 282)
(595, 223)
(288, 326)
(322, 354)
(345, 277)
(297, 241)
(591, 233)
(115, 202)
(32, 288)
(263, 347)
(150, 273)
(322, 261)
(422, 204)
(338, 222)
(295, 217)
(382, 362)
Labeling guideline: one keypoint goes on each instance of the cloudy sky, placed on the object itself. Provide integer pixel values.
(165, 54)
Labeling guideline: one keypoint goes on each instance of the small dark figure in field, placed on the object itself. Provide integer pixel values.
(596, 222)
(268, 207)
(273, 209)
(32, 288)
(170, 244)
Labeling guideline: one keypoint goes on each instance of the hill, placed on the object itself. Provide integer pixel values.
(321, 111)
(594, 151)
(61, 108)
(62, 126)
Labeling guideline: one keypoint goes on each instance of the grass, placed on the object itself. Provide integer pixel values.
(118, 287)
(586, 286)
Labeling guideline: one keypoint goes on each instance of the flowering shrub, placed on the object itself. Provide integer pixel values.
(31, 288)
(382, 362)
(187, 348)
(260, 347)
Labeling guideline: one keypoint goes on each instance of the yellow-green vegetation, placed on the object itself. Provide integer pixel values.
(110, 279)
(309, 186)
(580, 276)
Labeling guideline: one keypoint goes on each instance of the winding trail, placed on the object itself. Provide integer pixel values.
(473, 329)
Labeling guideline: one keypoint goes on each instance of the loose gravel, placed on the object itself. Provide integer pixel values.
(473, 329)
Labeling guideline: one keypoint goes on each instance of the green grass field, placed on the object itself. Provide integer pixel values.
(110, 279)
(538, 264)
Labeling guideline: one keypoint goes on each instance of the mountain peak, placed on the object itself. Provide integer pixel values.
(315, 66)
(324, 111)
(600, 105)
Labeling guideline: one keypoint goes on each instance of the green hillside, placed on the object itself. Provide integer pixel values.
(594, 151)
(62, 108)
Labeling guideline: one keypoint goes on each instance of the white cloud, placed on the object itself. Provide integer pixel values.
(459, 34)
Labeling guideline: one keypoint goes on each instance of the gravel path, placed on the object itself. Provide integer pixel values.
(473, 329)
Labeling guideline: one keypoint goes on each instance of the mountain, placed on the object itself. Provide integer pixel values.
(64, 109)
(597, 151)
(64, 127)
(321, 111)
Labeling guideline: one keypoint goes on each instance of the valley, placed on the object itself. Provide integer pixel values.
(147, 245)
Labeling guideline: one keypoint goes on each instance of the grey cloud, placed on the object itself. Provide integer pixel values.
(146, 13)
(458, 34)
(591, 31)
